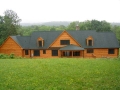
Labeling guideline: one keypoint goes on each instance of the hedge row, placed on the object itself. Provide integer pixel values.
(5, 56)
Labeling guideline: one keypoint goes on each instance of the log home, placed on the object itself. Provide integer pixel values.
(78, 44)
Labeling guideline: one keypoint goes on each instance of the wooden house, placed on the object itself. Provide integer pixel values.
(78, 44)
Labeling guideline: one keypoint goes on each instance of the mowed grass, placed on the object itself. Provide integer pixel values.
(60, 74)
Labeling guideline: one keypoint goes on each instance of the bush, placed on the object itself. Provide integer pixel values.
(3, 56)
(11, 56)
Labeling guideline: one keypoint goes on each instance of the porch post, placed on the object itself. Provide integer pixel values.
(61, 53)
(72, 53)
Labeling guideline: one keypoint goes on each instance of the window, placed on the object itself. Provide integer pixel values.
(54, 52)
(26, 52)
(111, 51)
(40, 43)
(36, 53)
(90, 51)
(65, 42)
(89, 42)
(76, 53)
(44, 51)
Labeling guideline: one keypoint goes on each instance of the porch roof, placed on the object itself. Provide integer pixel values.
(71, 47)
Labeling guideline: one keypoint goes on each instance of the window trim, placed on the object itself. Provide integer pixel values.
(54, 52)
(64, 42)
(38, 54)
(40, 43)
(90, 51)
(40, 39)
(76, 53)
(44, 51)
(90, 38)
(26, 52)
(111, 51)
(90, 42)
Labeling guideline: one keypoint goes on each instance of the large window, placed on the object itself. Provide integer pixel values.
(90, 51)
(40, 43)
(111, 51)
(26, 52)
(36, 53)
(76, 53)
(89, 42)
(65, 42)
(54, 52)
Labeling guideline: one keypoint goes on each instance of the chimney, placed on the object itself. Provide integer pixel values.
(77, 27)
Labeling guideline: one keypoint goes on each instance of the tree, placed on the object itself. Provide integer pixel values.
(72, 25)
(9, 24)
(116, 30)
(91, 25)
(52, 28)
(105, 26)
(2, 28)
(12, 22)
(86, 25)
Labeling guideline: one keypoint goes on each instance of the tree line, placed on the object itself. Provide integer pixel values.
(10, 25)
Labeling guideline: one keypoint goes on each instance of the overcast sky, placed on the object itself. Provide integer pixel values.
(34, 11)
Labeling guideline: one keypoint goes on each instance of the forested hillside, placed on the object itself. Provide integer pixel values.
(100, 26)
(10, 25)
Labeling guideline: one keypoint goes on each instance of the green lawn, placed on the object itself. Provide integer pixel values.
(59, 74)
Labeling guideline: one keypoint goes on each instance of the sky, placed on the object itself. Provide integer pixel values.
(35, 11)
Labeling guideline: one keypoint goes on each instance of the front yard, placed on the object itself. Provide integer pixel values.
(60, 74)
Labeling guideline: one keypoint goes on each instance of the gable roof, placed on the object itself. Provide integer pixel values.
(68, 34)
(23, 41)
(48, 36)
(100, 39)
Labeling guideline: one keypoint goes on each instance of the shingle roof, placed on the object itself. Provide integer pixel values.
(23, 41)
(48, 36)
(100, 39)
(71, 47)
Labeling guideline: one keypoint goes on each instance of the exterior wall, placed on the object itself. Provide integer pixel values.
(81, 54)
(47, 55)
(10, 46)
(100, 53)
(64, 36)
(27, 56)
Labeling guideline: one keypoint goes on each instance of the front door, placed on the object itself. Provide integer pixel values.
(67, 53)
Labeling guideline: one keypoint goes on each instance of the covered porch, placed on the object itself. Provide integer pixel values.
(72, 51)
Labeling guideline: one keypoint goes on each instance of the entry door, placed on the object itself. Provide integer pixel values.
(66, 53)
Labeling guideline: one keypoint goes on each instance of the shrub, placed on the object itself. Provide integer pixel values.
(3, 56)
(11, 56)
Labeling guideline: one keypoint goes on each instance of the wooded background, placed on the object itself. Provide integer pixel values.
(10, 25)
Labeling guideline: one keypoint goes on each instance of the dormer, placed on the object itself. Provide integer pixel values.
(89, 41)
(40, 42)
